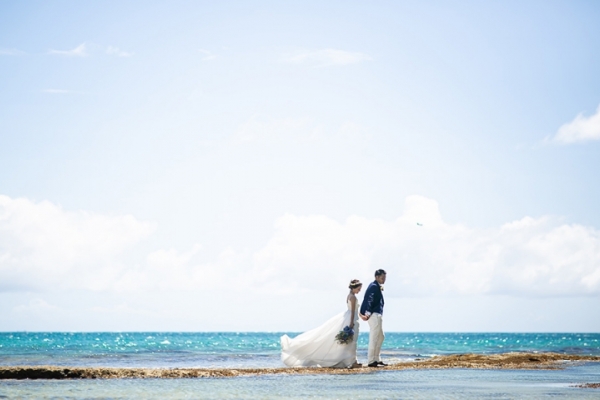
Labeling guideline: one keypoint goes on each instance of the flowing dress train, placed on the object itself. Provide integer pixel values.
(318, 347)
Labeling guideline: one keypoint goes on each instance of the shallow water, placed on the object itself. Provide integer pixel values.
(255, 349)
(407, 384)
(214, 349)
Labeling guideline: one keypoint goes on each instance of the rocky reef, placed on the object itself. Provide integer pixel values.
(480, 361)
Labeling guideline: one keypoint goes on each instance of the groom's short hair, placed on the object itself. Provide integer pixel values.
(380, 272)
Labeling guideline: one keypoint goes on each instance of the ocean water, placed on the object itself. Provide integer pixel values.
(255, 349)
(260, 349)
(407, 384)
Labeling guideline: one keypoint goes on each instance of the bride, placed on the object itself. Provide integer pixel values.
(318, 347)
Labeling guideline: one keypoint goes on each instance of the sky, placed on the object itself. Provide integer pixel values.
(231, 166)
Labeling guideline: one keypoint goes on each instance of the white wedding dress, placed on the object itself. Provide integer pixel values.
(318, 347)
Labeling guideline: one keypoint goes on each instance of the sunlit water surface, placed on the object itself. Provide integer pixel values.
(255, 349)
(261, 349)
(408, 384)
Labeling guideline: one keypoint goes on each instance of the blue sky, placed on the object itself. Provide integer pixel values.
(183, 155)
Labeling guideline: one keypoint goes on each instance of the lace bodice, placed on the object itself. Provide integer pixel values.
(349, 304)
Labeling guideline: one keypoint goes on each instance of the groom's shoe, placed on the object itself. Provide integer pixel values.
(382, 363)
(374, 364)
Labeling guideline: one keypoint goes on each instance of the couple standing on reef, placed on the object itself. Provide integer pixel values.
(319, 347)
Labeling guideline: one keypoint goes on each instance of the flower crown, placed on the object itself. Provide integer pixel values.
(354, 283)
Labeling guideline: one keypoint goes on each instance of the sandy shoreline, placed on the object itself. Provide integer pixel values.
(479, 361)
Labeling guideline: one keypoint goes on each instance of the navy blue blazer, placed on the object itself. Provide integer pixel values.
(373, 301)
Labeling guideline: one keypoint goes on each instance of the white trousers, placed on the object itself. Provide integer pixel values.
(376, 337)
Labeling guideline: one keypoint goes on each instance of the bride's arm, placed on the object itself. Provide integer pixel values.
(353, 303)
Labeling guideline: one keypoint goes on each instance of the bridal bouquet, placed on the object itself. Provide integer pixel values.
(345, 336)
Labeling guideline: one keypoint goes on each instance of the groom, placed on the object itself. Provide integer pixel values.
(371, 310)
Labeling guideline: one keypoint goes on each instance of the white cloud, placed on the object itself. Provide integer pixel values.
(166, 270)
(78, 51)
(581, 129)
(122, 310)
(528, 257)
(35, 306)
(115, 51)
(208, 56)
(45, 247)
(326, 57)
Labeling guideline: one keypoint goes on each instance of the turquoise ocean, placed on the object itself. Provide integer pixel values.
(261, 349)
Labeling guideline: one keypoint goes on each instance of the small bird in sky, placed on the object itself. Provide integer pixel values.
(420, 224)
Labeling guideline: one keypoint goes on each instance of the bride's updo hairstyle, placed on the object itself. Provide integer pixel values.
(354, 283)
